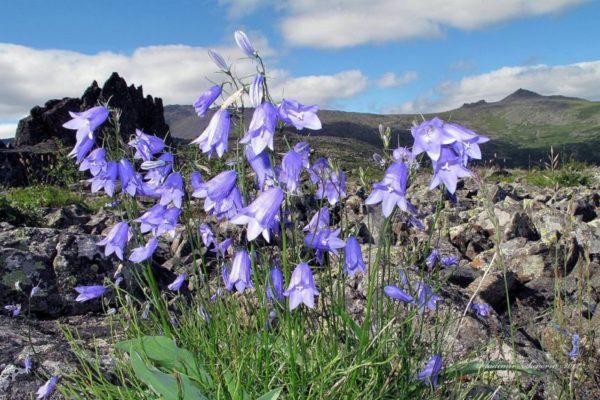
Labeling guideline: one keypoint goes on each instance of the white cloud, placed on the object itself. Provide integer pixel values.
(577, 80)
(176, 73)
(7, 130)
(390, 79)
(342, 23)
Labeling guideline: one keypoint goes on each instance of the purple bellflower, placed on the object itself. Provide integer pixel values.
(206, 99)
(131, 181)
(244, 44)
(256, 90)
(261, 165)
(95, 162)
(14, 309)
(222, 197)
(150, 219)
(426, 298)
(291, 168)
(429, 137)
(431, 371)
(259, 215)
(403, 155)
(275, 285)
(302, 287)
(146, 146)
(319, 221)
(218, 60)
(106, 179)
(172, 190)
(196, 181)
(433, 258)
(574, 353)
(223, 247)
(28, 364)
(481, 309)
(325, 240)
(87, 121)
(449, 261)
(300, 116)
(467, 140)
(168, 222)
(391, 191)
(303, 149)
(143, 253)
(448, 169)
(240, 276)
(262, 128)
(82, 147)
(158, 169)
(353, 260)
(332, 186)
(396, 293)
(207, 235)
(175, 286)
(45, 391)
(116, 240)
(215, 136)
(89, 292)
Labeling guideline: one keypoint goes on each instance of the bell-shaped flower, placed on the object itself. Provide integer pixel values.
(391, 191)
(142, 253)
(302, 287)
(426, 298)
(303, 149)
(332, 187)
(196, 181)
(256, 90)
(46, 390)
(222, 247)
(319, 221)
(353, 259)
(207, 235)
(150, 219)
(300, 116)
(172, 190)
(28, 364)
(116, 240)
(468, 138)
(88, 120)
(325, 240)
(240, 276)
(14, 309)
(222, 197)
(89, 292)
(291, 168)
(403, 155)
(432, 258)
(448, 169)
(244, 44)
(275, 285)
(449, 261)
(262, 128)
(259, 215)
(106, 179)
(218, 60)
(429, 137)
(158, 169)
(431, 371)
(168, 223)
(206, 99)
(574, 353)
(95, 162)
(215, 136)
(261, 165)
(131, 181)
(481, 309)
(396, 293)
(175, 286)
(82, 147)
(146, 146)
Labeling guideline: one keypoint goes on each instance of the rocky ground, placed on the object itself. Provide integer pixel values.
(550, 242)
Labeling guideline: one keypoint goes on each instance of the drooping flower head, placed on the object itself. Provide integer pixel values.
(159, 169)
(95, 162)
(275, 285)
(319, 221)
(303, 149)
(82, 147)
(332, 183)
(259, 215)
(14, 309)
(302, 287)
(449, 261)
(202, 104)
(116, 240)
(481, 309)
(218, 60)
(426, 298)
(433, 258)
(391, 191)
(291, 168)
(448, 169)
(574, 353)
(262, 128)
(429, 137)
(467, 142)
(215, 136)
(89, 292)
(172, 190)
(85, 123)
(106, 179)
(325, 240)
(196, 181)
(298, 115)
(396, 293)
(207, 235)
(222, 197)
(44, 392)
(28, 364)
(142, 253)
(431, 371)
(261, 165)
(244, 44)
(240, 276)
(353, 260)
(403, 155)
(222, 247)
(131, 181)
(175, 286)
(146, 146)
(256, 90)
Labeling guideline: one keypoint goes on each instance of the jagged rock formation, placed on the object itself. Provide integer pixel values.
(45, 123)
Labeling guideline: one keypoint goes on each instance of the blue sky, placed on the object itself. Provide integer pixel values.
(359, 55)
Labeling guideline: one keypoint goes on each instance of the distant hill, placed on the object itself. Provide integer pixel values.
(522, 126)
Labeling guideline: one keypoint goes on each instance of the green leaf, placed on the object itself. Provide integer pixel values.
(272, 395)
(477, 367)
(168, 386)
(163, 352)
(233, 386)
(358, 331)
